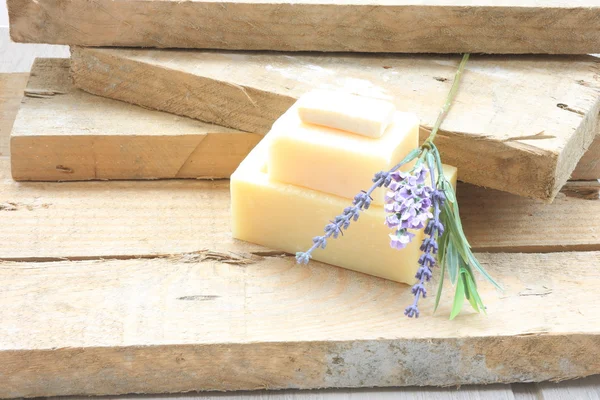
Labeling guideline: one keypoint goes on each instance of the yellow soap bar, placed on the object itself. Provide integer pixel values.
(334, 161)
(361, 115)
(286, 217)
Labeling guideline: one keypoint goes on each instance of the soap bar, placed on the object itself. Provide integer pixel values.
(362, 115)
(286, 217)
(334, 161)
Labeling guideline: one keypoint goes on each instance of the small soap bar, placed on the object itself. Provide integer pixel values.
(286, 217)
(366, 116)
(334, 161)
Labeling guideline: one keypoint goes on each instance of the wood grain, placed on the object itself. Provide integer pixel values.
(62, 133)
(519, 124)
(195, 323)
(11, 93)
(482, 26)
(589, 165)
(43, 221)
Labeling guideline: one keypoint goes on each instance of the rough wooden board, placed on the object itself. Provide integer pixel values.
(62, 133)
(179, 324)
(11, 92)
(589, 165)
(408, 26)
(44, 221)
(519, 124)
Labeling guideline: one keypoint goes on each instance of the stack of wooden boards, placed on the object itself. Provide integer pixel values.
(120, 287)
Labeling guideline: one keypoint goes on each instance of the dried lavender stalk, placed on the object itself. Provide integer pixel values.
(429, 247)
(361, 201)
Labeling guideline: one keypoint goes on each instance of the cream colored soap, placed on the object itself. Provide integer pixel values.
(361, 115)
(335, 161)
(286, 217)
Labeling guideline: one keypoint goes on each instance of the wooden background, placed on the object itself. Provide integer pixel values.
(18, 58)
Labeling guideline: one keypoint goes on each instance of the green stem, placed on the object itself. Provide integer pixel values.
(449, 100)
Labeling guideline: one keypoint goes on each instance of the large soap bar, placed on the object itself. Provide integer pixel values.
(362, 115)
(286, 217)
(335, 161)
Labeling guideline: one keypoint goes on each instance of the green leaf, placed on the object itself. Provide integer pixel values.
(409, 157)
(459, 299)
(452, 262)
(475, 299)
(470, 292)
(440, 288)
(448, 190)
(475, 263)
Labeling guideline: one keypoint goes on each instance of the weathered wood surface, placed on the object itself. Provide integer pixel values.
(11, 93)
(230, 315)
(407, 26)
(43, 221)
(240, 321)
(62, 133)
(519, 124)
(589, 165)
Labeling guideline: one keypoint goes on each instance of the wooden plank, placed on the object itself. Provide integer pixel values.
(519, 124)
(589, 165)
(408, 26)
(43, 221)
(62, 133)
(196, 323)
(11, 93)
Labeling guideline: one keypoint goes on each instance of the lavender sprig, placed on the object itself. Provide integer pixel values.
(361, 202)
(409, 204)
(429, 247)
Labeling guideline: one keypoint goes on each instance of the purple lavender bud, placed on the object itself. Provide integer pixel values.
(320, 241)
(438, 196)
(433, 226)
(429, 245)
(302, 258)
(427, 259)
(424, 273)
(419, 288)
(332, 229)
(412, 311)
(359, 198)
(392, 221)
(400, 239)
(382, 178)
(398, 176)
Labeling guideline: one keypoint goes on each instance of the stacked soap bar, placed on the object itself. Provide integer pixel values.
(303, 174)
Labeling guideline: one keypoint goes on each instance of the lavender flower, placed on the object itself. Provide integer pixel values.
(429, 247)
(408, 202)
(362, 201)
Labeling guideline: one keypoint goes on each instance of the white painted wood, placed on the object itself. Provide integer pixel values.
(491, 392)
(581, 389)
(16, 57)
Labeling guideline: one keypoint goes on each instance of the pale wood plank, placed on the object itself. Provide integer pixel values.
(62, 133)
(127, 219)
(11, 93)
(194, 322)
(519, 124)
(482, 26)
(589, 165)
